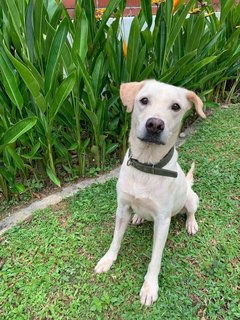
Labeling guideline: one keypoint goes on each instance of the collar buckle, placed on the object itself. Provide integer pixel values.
(130, 160)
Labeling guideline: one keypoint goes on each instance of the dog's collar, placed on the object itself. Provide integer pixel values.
(154, 168)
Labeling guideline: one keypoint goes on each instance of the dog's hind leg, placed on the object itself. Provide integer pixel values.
(191, 206)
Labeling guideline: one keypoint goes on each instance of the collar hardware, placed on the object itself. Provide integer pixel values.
(157, 168)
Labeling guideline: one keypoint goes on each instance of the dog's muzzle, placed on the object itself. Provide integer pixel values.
(153, 130)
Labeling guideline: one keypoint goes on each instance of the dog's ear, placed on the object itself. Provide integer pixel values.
(197, 102)
(128, 92)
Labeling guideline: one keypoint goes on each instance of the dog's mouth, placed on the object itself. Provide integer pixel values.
(154, 139)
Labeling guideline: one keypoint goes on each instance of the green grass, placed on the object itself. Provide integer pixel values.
(47, 263)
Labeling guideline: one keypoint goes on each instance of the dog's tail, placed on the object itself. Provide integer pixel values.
(189, 175)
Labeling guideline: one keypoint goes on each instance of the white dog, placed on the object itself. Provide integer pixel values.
(144, 186)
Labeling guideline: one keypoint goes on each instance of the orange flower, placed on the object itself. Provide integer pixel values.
(124, 48)
(175, 4)
(157, 2)
(194, 10)
(99, 13)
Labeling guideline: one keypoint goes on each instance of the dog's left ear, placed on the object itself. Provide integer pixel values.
(197, 102)
(128, 92)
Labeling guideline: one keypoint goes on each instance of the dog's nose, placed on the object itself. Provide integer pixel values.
(154, 125)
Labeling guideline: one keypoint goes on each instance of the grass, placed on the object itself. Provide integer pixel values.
(47, 263)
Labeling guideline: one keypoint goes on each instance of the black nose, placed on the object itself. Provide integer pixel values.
(154, 125)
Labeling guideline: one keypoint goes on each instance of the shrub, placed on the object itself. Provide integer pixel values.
(59, 78)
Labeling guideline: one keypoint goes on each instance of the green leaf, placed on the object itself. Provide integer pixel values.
(140, 62)
(226, 6)
(53, 177)
(29, 79)
(18, 129)
(133, 45)
(10, 82)
(89, 7)
(97, 74)
(91, 116)
(112, 147)
(109, 10)
(113, 61)
(54, 54)
(176, 28)
(38, 21)
(195, 68)
(31, 154)
(80, 42)
(29, 29)
(179, 67)
(62, 92)
(147, 10)
(161, 43)
(147, 72)
(87, 80)
(16, 158)
(15, 18)
(198, 29)
(20, 187)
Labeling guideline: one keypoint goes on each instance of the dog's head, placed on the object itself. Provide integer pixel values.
(158, 108)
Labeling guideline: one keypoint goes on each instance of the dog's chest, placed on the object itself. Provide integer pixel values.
(146, 196)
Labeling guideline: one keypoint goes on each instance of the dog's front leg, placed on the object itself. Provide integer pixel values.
(122, 219)
(149, 291)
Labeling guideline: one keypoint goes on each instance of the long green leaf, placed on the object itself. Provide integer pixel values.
(29, 79)
(109, 10)
(113, 61)
(54, 54)
(176, 28)
(87, 80)
(97, 74)
(80, 42)
(161, 43)
(38, 22)
(91, 116)
(140, 62)
(10, 83)
(179, 67)
(15, 19)
(29, 29)
(18, 129)
(198, 29)
(147, 10)
(198, 66)
(226, 6)
(61, 94)
(89, 7)
(16, 158)
(53, 177)
(133, 45)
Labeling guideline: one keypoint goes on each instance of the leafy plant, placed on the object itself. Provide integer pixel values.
(63, 77)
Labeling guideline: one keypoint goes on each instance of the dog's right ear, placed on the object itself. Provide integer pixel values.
(128, 92)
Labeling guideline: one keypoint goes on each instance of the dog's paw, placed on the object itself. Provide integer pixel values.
(148, 293)
(191, 226)
(137, 220)
(104, 264)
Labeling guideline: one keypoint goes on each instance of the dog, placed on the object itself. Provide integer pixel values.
(151, 182)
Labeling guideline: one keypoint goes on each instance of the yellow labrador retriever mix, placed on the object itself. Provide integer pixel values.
(151, 182)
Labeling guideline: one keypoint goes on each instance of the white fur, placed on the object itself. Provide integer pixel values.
(152, 197)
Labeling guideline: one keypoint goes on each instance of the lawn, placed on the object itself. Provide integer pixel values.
(47, 262)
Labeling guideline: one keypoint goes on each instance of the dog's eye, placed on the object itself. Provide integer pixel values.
(144, 101)
(175, 107)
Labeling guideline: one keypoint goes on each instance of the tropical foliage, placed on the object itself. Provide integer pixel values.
(60, 111)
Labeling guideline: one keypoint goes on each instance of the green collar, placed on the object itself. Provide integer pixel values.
(154, 168)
